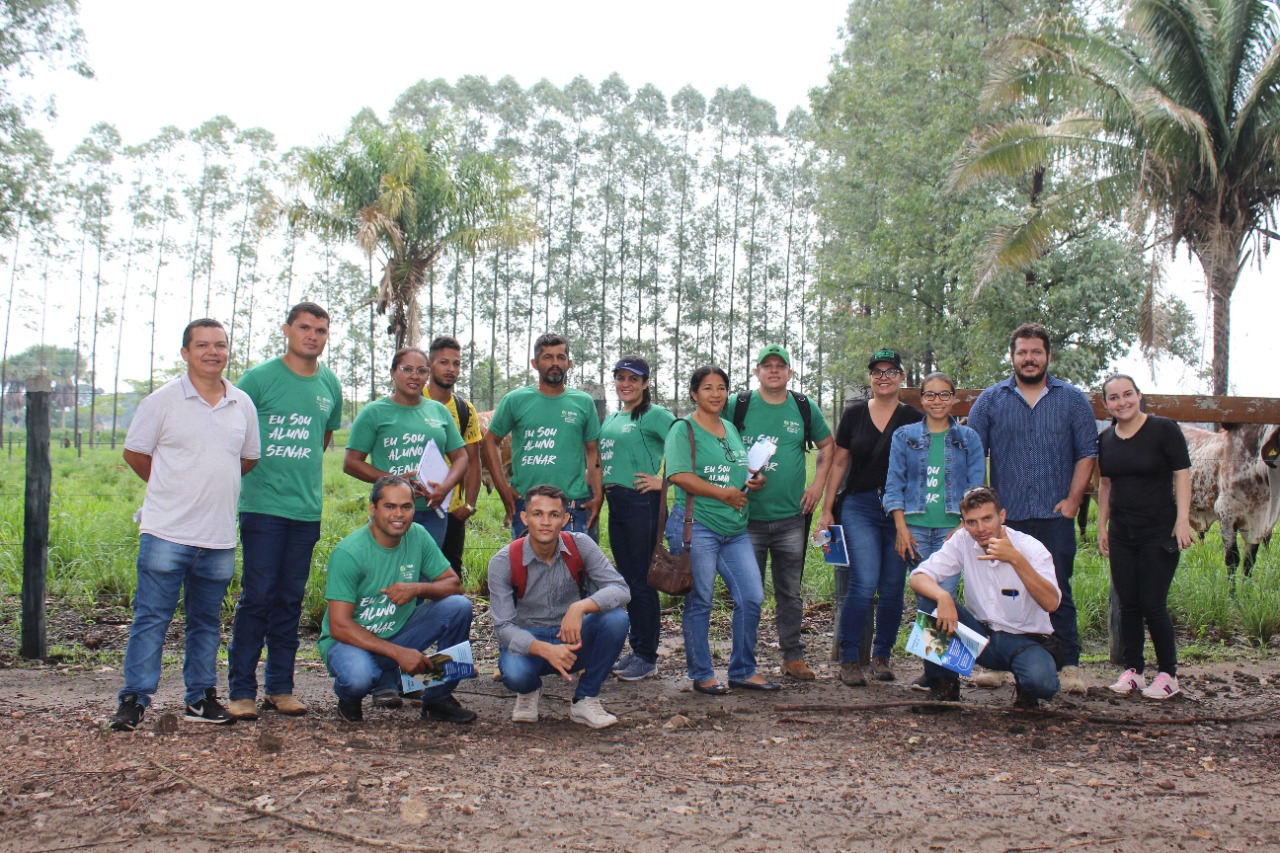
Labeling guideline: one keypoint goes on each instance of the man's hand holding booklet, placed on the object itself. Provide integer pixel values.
(957, 652)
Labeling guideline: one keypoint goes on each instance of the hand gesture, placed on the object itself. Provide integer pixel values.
(400, 593)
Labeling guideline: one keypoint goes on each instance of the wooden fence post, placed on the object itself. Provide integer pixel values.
(35, 540)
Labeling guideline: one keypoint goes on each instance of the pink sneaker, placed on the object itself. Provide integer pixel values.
(1164, 686)
(1129, 681)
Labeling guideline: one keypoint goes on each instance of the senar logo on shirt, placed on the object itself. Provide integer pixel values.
(569, 416)
(407, 572)
(325, 403)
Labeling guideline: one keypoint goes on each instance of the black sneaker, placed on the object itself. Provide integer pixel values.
(923, 684)
(208, 710)
(128, 715)
(943, 690)
(1023, 702)
(447, 710)
(350, 712)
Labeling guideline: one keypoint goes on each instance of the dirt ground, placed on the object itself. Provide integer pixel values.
(818, 766)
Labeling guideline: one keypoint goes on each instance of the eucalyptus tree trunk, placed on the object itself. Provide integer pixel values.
(4, 350)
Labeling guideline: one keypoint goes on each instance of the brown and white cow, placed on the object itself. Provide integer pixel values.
(1235, 481)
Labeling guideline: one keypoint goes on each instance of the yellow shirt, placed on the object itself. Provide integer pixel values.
(471, 436)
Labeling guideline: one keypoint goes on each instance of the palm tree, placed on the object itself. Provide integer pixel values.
(410, 196)
(1172, 123)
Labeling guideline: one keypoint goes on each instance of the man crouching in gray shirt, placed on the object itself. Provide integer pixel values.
(545, 620)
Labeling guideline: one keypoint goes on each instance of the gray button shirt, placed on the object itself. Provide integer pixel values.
(548, 592)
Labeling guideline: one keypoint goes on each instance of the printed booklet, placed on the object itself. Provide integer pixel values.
(835, 552)
(452, 664)
(958, 652)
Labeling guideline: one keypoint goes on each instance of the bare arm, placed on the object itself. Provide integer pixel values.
(1182, 499)
(839, 467)
(246, 465)
(354, 464)
(1104, 516)
(141, 464)
(700, 488)
(328, 440)
(822, 467)
(491, 447)
(595, 480)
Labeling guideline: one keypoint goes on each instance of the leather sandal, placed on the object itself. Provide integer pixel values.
(716, 689)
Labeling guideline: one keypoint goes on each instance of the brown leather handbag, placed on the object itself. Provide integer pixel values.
(669, 573)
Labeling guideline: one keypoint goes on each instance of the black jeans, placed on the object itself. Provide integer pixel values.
(1142, 567)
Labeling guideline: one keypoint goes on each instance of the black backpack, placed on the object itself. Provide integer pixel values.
(802, 403)
(464, 413)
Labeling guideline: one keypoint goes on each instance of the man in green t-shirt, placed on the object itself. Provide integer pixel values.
(779, 512)
(299, 404)
(554, 441)
(375, 627)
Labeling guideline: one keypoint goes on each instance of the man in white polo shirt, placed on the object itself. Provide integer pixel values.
(1010, 589)
(191, 441)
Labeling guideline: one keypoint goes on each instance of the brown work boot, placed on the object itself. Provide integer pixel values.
(851, 675)
(284, 703)
(243, 709)
(880, 669)
(798, 670)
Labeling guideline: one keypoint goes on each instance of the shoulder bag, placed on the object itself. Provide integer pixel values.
(667, 572)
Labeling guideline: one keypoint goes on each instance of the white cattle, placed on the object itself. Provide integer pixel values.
(1235, 482)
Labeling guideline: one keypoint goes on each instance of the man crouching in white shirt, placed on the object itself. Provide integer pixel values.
(1010, 589)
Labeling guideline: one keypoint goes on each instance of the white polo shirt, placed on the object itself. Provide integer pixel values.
(993, 592)
(195, 452)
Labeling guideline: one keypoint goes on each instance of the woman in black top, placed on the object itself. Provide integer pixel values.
(859, 468)
(1144, 505)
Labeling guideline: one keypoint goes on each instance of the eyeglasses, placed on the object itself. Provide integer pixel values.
(891, 373)
(413, 371)
(944, 396)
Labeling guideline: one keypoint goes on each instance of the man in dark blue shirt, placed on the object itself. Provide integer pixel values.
(1042, 438)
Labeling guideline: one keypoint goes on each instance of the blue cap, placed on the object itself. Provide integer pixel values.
(633, 365)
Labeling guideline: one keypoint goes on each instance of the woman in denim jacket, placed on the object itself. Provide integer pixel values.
(931, 465)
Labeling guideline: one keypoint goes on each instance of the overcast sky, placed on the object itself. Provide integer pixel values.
(302, 69)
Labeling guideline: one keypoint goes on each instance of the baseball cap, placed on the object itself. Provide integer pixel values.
(888, 355)
(633, 365)
(774, 349)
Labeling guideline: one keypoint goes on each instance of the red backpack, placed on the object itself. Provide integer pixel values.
(572, 560)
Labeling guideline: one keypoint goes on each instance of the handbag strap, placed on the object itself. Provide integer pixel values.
(688, 498)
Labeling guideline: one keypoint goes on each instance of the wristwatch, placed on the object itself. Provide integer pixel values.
(471, 509)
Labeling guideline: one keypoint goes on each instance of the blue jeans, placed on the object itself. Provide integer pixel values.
(358, 672)
(434, 524)
(784, 538)
(603, 635)
(577, 522)
(1058, 536)
(633, 533)
(735, 561)
(929, 540)
(1031, 664)
(874, 567)
(202, 574)
(275, 565)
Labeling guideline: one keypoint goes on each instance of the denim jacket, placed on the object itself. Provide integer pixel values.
(965, 466)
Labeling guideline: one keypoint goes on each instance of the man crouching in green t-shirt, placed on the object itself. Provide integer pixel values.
(375, 628)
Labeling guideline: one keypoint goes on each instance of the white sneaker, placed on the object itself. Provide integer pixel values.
(1162, 687)
(1070, 680)
(526, 710)
(987, 678)
(589, 712)
(1129, 681)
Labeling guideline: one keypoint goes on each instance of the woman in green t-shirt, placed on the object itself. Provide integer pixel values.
(631, 444)
(717, 480)
(390, 435)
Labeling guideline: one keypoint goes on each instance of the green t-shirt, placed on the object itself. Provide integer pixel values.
(720, 461)
(547, 437)
(294, 413)
(786, 472)
(629, 447)
(359, 569)
(935, 488)
(396, 436)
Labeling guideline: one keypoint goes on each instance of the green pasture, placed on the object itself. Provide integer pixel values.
(93, 544)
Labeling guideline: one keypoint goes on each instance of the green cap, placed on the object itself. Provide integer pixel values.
(774, 349)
